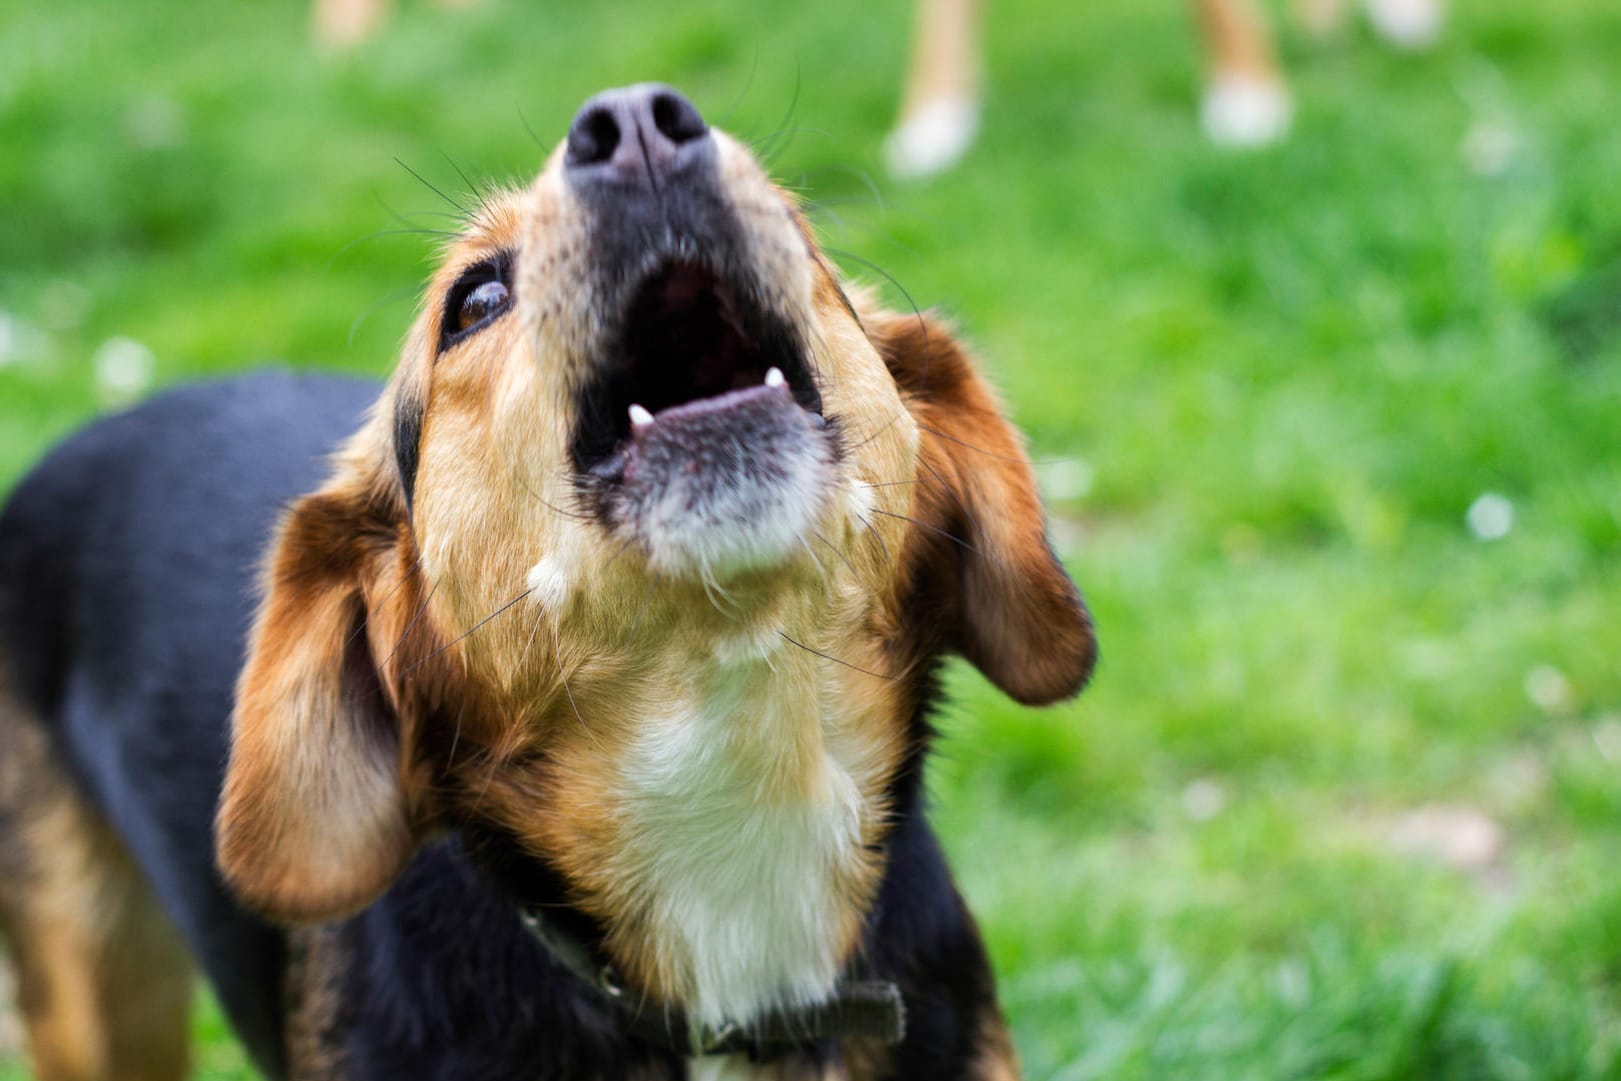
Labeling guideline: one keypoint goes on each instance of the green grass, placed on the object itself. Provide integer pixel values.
(1269, 387)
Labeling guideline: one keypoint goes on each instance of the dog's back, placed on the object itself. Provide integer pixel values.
(127, 568)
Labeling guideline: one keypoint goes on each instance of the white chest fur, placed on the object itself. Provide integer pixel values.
(741, 834)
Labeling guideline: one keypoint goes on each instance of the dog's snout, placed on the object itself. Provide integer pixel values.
(634, 134)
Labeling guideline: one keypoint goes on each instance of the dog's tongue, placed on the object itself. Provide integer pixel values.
(730, 438)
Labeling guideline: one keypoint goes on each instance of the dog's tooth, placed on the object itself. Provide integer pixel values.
(775, 378)
(639, 417)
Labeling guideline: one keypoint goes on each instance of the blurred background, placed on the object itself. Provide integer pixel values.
(1330, 434)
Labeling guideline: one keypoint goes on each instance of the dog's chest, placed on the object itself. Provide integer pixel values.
(742, 838)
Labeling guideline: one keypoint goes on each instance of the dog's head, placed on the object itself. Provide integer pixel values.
(652, 501)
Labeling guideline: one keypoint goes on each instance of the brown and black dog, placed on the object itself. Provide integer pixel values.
(576, 728)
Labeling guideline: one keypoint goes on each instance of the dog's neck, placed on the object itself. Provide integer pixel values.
(743, 823)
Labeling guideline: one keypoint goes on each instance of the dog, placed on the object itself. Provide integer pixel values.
(575, 727)
(1246, 100)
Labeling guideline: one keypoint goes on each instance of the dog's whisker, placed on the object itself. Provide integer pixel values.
(455, 737)
(712, 588)
(871, 530)
(964, 443)
(952, 537)
(880, 430)
(821, 568)
(374, 609)
(835, 660)
(411, 626)
(529, 644)
(467, 633)
(641, 609)
(528, 127)
(843, 557)
(765, 147)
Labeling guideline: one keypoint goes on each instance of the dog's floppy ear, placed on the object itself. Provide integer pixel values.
(1015, 613)
(313, 821)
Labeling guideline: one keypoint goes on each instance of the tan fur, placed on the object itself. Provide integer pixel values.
(995, 1060)
(405, 672)
(104, 981)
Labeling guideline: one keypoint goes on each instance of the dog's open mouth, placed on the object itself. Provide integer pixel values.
(690, 345)
(702, 432)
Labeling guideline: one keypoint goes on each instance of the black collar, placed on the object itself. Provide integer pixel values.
(859, 1009)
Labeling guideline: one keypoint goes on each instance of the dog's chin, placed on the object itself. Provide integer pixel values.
(722, 485)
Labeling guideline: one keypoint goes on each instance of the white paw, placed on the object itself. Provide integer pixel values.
(931, 139)
(1407, 24)
(1244, 111)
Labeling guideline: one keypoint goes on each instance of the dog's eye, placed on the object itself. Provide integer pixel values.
(480, 304)
(481, 295)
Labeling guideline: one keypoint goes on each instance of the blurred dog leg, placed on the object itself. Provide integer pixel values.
(1246, 103)
(940, 110)
(103, 980)
(342, 24)
(1407, 24)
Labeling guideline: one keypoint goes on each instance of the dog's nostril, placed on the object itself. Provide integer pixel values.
(593, 137)
(677, 118)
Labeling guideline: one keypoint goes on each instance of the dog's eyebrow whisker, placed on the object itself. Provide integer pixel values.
(891, 483)
(378, 234)
(413, 227)
(390, 298)
(472, 188)
(469, 631)
(465, 211)
(835, 660)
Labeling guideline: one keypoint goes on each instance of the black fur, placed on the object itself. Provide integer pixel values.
(128, 561)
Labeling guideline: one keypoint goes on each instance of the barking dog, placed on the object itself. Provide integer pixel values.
(579, 729)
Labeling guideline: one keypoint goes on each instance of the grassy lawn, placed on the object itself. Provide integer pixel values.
(1345, 799)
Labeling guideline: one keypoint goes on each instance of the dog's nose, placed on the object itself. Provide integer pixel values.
(636, 134)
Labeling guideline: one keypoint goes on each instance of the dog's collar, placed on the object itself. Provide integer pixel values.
(859, 1009)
